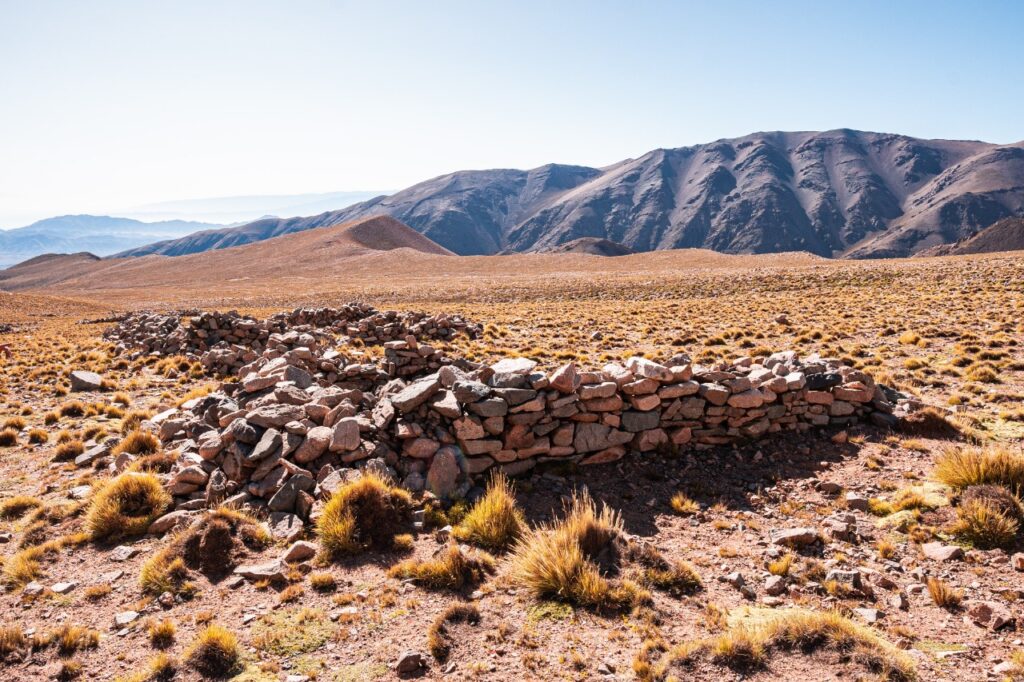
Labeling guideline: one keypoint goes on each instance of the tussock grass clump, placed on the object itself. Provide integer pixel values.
(18, 506)
(12, 641)
(8, 438)
(367, 513)
(983, 525)
(438, 636)
(16, 423)
(72, 408)
(570, 559)
(683, 505)
(161, 633)
(675, 577)
(452, 569)
(68, 450)
(138, 443)
(71, 638)
(38, 436)
(961, 467)
(210, 545)
(943, 594)
(126, 506)
(997, 497)
(746, 647)
(323, 582)
(495, 521)
(214, 652)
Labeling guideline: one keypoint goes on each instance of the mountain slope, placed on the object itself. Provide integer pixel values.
(1004, 235)
(308, 254)
(835, 193)
(101, 235)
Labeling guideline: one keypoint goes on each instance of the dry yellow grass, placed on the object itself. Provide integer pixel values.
(960, 467)
(365, 513)
(214, 652)
(749, 646)
(125, 506)
(451, 569)
(495, 521)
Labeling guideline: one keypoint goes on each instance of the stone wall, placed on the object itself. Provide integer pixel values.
(225, 342)
(301, 418)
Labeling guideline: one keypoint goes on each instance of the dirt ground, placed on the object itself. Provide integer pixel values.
(949, 331)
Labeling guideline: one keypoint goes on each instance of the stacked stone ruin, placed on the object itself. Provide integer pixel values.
(302, 417)
(225, 342)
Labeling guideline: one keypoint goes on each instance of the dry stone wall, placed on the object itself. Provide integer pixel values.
(301, 418)
(225, 342)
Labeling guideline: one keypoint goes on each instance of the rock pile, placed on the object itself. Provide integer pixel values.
(227, 341)
(300, 418)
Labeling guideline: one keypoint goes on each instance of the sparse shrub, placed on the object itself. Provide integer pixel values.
(363, 514)
(452, 569)
(747, 647)
(16, 423)
(126, 506)
(438, 636)
(495, 521)
(214, 652)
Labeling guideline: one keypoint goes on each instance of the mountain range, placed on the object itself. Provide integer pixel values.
(839, 193)
(100, 235)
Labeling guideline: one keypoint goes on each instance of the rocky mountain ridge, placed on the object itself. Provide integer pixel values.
(835, 193)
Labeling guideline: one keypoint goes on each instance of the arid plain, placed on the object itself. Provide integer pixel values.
(889, 588)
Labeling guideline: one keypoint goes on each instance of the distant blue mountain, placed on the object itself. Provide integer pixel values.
(100, 235)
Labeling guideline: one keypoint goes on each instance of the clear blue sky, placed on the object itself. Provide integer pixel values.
(105, 104)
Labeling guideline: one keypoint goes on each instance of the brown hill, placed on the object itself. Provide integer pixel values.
(592, 246)
(1004, 235)
(313, 253)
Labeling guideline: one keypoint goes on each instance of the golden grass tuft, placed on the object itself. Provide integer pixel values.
(683, 505)
(983, 525)
(161, 633)
(18, 506)
(12, 641)
(452, 569)
(748, 646)
(38, 436)
(138, 442)
(214, 652)
(438, 636)
(943, 594)
(367, 513)
(960, 467)
(68, 450)
(560, 561)
(8, 438)
(72, 638)
(126, 506)
(495, 522)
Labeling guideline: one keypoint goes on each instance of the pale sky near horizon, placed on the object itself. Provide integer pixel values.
(106, 105)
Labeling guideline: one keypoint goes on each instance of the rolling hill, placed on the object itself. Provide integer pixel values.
(311, 253)
(834, 193)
